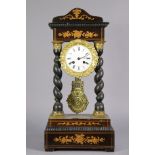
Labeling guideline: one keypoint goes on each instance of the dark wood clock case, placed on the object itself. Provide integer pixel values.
(78, 132)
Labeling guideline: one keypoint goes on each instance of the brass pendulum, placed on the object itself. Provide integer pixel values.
(77, 100)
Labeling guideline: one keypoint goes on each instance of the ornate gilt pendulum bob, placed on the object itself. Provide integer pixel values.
(77, 100)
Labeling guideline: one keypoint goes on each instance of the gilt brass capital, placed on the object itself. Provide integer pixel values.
(99, 45)
(57, 45)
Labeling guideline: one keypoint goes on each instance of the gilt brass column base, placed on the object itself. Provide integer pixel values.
(100, 114)
(56, 114)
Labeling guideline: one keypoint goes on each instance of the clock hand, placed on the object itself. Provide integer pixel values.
(72, 62)
(83, 56)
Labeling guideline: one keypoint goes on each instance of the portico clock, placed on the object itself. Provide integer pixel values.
(78, 40)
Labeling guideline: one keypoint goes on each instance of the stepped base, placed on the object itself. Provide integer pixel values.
(76, 132)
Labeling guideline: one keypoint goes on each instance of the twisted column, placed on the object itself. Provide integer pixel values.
(57, 107)
(99, 106)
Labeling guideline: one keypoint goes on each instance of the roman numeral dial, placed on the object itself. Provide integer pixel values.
(79, 57)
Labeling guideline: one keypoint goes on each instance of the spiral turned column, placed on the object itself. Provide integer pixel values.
(99, 106)
(57, 107)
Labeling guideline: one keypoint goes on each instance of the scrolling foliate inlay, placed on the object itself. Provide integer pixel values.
(76, 14)
(78, 123)
(79, 139)
(78, 34)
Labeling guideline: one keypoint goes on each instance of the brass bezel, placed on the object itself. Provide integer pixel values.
(92, 51)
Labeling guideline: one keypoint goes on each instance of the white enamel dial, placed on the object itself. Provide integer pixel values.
(78, 58)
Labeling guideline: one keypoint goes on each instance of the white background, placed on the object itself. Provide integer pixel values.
(13, 82)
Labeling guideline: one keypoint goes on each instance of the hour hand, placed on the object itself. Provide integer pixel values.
(72, 62)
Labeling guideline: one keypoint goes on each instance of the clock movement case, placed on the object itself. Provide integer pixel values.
(78, 131)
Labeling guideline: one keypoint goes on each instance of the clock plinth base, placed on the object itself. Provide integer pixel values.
(79, 132)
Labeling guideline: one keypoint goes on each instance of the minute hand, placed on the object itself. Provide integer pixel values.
(83, 56)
